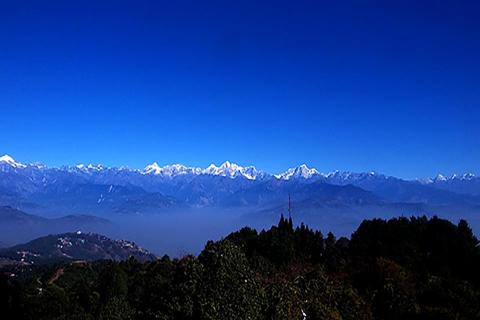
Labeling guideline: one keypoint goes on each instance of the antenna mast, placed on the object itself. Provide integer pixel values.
(289, 207)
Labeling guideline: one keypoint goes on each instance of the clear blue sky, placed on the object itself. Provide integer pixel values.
(391, 86)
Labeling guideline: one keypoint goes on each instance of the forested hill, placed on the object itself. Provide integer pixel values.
(73, 246)
(415, 268)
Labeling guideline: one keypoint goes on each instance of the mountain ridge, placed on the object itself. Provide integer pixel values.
(101, 190)
(226, 169)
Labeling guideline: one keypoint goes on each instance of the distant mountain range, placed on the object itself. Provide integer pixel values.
(101, 190)
(71, 247)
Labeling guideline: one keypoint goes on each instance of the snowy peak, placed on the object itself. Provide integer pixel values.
(90, 167)
(334, 177)
(226, 169)
(468, 176)
(352, 176)
(170, 170)
(153, 168)
(441, 179)
(232, 170)
(302, 171)
(6, 159)
(463, 177)
(179, 169)
(252, 173)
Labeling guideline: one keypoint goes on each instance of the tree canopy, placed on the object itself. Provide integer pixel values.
(402, 268)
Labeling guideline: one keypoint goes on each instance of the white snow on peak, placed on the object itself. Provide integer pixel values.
(302, 171)
(179, 169)
(440, 177)
(468, 176)
(96, 167)
(232, 170)
(351, 176)
(465, 176)
(170, 170)
(90, 167)
(38, 165)
(10, 161)
(252, 173)
(6, 158)
(153, 168)
(454, 177)
(226, 169)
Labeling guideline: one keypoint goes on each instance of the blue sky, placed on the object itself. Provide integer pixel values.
(355, 85)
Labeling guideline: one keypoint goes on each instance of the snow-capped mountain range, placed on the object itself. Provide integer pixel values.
(95, 189)
(226, 169)
(442, 178)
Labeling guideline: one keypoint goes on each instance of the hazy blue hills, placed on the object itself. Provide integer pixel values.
(277, 191)
(9, 215)
(97, 198)
(18, 226)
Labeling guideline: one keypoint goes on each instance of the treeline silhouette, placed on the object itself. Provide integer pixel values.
(416, 268)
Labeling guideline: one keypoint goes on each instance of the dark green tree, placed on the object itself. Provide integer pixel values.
(228, 288)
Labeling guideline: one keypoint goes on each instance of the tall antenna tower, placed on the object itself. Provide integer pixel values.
(289, 207)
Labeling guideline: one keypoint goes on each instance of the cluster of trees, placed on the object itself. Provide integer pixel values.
(415, 268)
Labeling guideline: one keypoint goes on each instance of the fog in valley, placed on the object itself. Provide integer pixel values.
(182, 232)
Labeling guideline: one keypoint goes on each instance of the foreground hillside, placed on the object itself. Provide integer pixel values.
(416, 268)
(72, 246)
